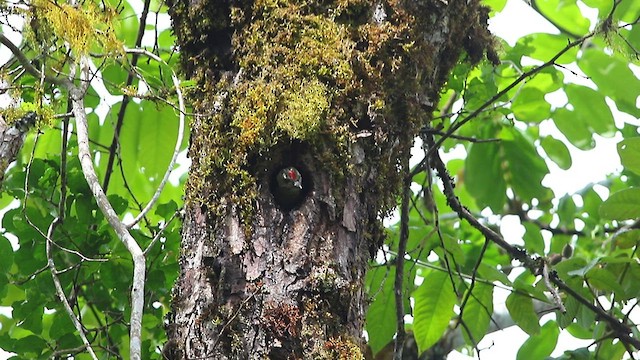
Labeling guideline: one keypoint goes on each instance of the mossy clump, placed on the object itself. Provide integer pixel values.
(84, 28)
(304, 107)
(343, 349)
(28, 114)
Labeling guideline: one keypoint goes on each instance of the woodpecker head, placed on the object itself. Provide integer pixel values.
(287, 190)
(290, 177)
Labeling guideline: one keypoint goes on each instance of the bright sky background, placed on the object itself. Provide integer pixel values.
(516, 20)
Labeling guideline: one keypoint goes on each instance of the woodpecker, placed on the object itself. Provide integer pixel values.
(288, 188)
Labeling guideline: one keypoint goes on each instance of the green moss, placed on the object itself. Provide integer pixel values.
(303, 109)
(343, 349)
(44, 114)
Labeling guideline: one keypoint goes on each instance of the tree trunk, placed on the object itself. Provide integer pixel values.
(337, 89)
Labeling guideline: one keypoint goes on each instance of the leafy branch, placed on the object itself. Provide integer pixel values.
(534, 265)
(77, 94)
(523, 77)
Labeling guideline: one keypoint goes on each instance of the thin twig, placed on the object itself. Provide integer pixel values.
(455, 126)
(157, 237)
(399, 279)
(554, 293)
(176, 149)
(24, 61)
(622, 331)
(60, 291)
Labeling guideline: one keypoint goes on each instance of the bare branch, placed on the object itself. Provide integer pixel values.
(552, 290)
(458, 124)
(126, 98)
(139, 262)
(157, 237)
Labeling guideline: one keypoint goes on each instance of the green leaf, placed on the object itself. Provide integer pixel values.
(127, 28)
(29, 345)
(30, 315)
(543, 47)
(557, 152)
(524, 167)
(166, 40)
(7, 254)
(565, 15)
(572, 306)
(613, 78)
(523, 313)
(477, 313)
(603, 279)
(147, 139)
(4, 286)
(530, 106)
(578, 354)
(61, 325)
(541, 345)
(381, 316)
(628, 11)
(607, 349)
(627, 239)
(533, 240)
(117, 75)
(83, 207)
(490, 273)
(622, 205)
(579, 332)
(495, 5)
(547, 80)
(574, 128)
(434, 301)
(604, 6)
(69, 340)
(590, 106)
(484, 175)
(167, 209)
(118, 203)
(629, 151)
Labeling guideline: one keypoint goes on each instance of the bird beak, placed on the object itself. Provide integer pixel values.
(298, 184)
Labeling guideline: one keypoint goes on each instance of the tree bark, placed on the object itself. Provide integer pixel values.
(11, 139)
(337, 89)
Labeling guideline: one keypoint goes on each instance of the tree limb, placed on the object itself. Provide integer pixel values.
(139, 262)
(60, 291)
(458, 124)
